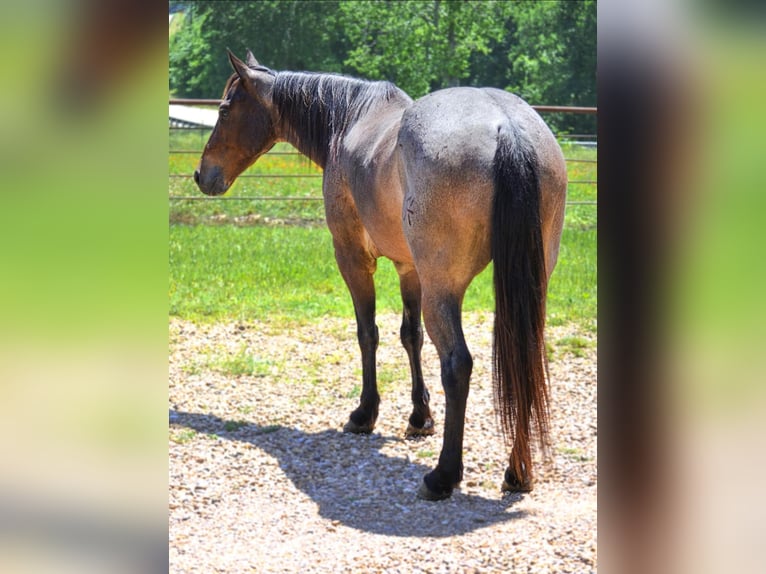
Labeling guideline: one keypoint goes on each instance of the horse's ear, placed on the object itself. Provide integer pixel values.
(257, 82)
(239, 66)
(250, 60)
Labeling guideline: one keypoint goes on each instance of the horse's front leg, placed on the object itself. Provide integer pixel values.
(357, 267)
(421, 422)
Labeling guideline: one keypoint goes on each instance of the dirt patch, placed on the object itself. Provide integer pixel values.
(263, 480)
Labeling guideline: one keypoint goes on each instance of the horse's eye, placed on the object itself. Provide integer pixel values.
(224, 113)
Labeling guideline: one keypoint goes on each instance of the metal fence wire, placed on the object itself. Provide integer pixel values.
(589, 140)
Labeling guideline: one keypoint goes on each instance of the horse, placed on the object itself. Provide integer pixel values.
(441, 186)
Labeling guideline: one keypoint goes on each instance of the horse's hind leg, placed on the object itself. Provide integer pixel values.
(512, 482)
(420, 422)
(442, 318)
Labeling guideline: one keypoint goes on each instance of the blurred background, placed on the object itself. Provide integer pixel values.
(83, 287)
(681, 315)
(83, 268)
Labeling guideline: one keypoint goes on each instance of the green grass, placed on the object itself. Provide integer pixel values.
(242, 363)
(573, 345)
(245, 272)
(213, 210)
(241, 269)
(232, 426)
(183, 436)
(574, 454)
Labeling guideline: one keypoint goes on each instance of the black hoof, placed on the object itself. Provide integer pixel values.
(361, 422)
(437, 486)
(512, 483)
(427, 429)
(352, 427)
(425, 493)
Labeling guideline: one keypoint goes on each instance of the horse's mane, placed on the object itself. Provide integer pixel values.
(318, 108)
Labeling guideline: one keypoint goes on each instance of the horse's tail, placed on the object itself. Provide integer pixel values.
(519, 361)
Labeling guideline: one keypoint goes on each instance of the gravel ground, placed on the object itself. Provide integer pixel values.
(263, 480)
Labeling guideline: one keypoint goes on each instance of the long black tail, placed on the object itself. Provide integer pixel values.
(519, 362)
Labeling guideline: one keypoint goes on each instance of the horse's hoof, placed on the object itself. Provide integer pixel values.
(511, 483)
(437, 485)
(425, 493)
(426, 430)
(354, 428)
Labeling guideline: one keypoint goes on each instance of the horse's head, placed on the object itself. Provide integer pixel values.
(245, 130)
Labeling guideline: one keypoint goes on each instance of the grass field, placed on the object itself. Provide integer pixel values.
(243, 259)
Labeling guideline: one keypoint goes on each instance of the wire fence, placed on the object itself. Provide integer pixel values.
(585, 140)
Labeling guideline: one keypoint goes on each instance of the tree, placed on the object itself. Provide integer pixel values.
(190, 58)
(289, 34)
(420, 46)
(553, 58)
(543, 51)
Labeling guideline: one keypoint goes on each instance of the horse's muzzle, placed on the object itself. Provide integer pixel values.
(210, 181)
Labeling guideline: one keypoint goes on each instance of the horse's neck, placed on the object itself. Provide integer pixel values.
(304, 146)
(316, 110)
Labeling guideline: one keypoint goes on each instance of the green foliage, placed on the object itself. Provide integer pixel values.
(190, 59)
(544, 51)
(287, 34)
(420, 46)
(553, 58)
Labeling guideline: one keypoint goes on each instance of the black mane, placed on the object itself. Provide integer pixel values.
(317, 109)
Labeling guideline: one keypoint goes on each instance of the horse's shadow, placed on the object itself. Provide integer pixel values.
(358, 485)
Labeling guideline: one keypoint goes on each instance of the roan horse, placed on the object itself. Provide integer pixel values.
(440, 186)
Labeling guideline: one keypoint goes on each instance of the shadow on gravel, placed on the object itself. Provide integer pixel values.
(355, 484)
